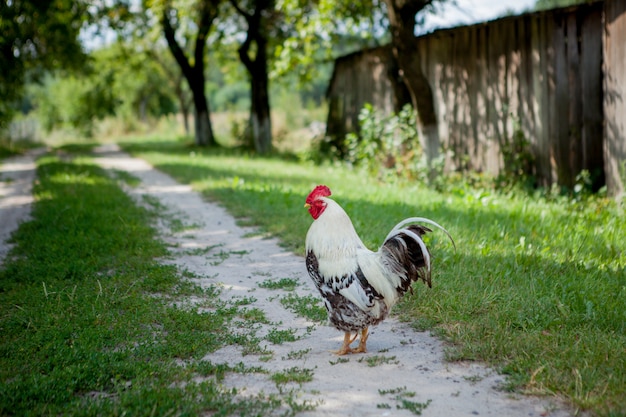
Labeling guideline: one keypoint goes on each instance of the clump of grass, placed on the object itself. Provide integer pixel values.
(278, 337)
(126, 177)
(286, 284)
(297, 354)
(206, 368)
(339, 360)
(376, 360)
(305, 306)
(401, 395)
(253, 315)
(413, 406)
(295, 375)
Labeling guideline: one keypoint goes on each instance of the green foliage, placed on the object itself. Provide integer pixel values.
(305, 306)
(400, 395)
(286, 284)
(36, 35)
(74, 101)
(278, 337)
(536, 287)
(325, 29)
(519, 161)
(377, 360)
(10, 147)
(388, 146)
(295, 374)
(141, 85)
(127, 83)
(233, 96)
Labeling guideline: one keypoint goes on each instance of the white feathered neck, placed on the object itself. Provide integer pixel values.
(332, 234)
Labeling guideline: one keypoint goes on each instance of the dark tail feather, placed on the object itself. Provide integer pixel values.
(409, 258)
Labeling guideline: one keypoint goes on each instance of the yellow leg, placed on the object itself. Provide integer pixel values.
(362, 343)
(345, 347)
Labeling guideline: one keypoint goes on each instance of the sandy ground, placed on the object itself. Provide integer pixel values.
(240, 260)
(16, 182)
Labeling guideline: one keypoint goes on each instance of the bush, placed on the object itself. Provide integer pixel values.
(519, 162)
(389, 146)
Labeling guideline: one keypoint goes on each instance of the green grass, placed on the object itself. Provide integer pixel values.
(10, 148)
(286, 284)
(308, 306)
(89, 321)
(376, 360)
(295, 374)
(278, 337)
(537, 287)
(400, 395)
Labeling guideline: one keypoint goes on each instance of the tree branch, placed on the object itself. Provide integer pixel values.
(240, 10)
(177, 51)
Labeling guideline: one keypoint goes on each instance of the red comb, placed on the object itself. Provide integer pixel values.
(319, 191)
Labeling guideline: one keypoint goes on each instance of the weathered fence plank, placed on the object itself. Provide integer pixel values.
(591, 85)
(615, 97)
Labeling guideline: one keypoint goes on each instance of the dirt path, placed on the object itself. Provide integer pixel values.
(16, 182)
(408, 361)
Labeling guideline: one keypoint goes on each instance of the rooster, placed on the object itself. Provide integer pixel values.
(358, 286)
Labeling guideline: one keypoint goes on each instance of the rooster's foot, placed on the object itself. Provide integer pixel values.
(362, 348)
(345, 347)
(343, 351)
(347, 341)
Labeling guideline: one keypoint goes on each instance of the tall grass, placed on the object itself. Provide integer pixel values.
(536, 288)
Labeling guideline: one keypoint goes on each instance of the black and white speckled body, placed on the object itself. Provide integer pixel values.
(344, 314)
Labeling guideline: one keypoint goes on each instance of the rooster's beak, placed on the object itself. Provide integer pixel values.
(307, 205)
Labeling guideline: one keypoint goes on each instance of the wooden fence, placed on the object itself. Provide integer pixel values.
(558, 77)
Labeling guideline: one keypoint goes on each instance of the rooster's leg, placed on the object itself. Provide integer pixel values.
(345, 347)
(362, 348)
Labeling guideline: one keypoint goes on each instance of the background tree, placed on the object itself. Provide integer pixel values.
(119, 80)
(323, 30)
(253, 55)
(74, 101)
(141, 86)
(203, 14)
(36, 35)
(177, 83)
(402, 20)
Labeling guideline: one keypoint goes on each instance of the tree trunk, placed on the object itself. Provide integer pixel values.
(183, 103)
(260, 116)
(204, 130)
(185, 114)
(404, 45)
(260, 119)
(194, 74)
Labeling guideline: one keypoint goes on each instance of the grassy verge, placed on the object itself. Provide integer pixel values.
(9, 148)
(89, 321)
(536, 287)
